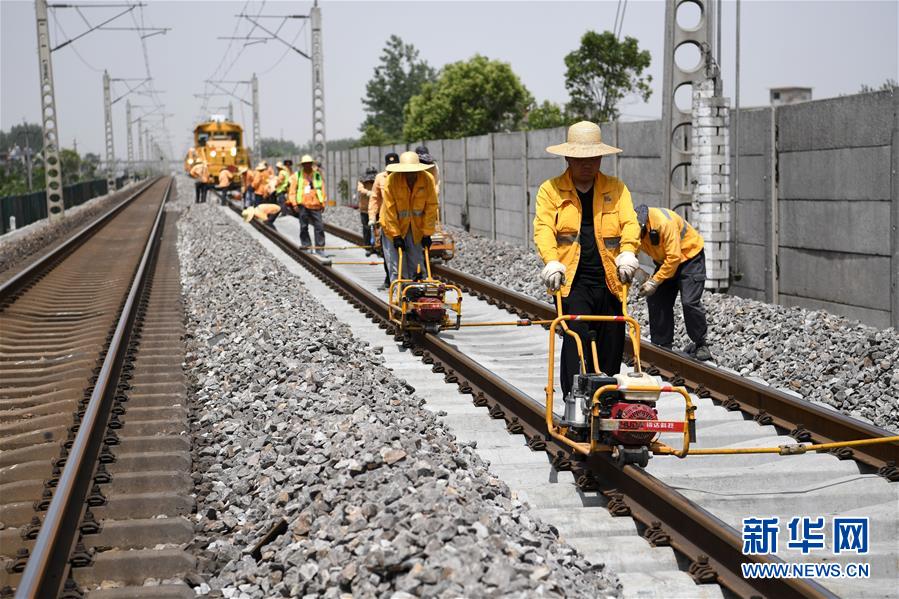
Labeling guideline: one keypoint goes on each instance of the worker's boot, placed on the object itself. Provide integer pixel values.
(702, 353)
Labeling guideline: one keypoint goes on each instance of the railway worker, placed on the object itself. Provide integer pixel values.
(200, 172)
(260, 184)
(363, 195)
(246, 185)
(425, 156)
(587, 234)
(285, 170)
(374, 210)
(224, 184)
(677, 250)
(408, 214)
(264, 213)
(307, 191)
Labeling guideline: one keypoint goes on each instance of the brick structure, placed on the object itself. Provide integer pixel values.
(711, 180)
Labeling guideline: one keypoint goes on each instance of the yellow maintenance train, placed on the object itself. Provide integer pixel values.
(220, 144)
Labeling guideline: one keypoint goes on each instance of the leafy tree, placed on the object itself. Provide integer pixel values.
(886, 86)
(272, 147)
(70, 164)
(546, 115)
(373, 136)
(399, 76)
(31, 134)
(89, 165)
(601, 72)
(469, 98)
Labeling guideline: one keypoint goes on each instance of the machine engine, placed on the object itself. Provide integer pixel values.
(623, 415)
(425, 303)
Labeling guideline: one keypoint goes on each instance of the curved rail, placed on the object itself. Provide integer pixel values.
(45, 572)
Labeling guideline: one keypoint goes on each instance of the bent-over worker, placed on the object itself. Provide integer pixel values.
(586, 232)
(677, 250)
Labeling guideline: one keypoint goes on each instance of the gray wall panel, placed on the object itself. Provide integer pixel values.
(851, 279)
(843, 174)
(848, 121)
(876, 318)
(855, 226)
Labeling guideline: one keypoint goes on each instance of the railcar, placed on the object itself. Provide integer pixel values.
(220, 143)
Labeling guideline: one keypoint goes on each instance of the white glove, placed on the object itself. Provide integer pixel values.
(553, 275)
(648, 288)
(627, 264)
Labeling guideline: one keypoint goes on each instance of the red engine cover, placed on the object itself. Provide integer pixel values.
(430, 309)
(633, 411)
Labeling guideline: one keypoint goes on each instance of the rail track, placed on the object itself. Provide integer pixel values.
(95, 460)
(693, 506)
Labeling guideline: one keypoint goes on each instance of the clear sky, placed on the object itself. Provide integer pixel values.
(831, 46)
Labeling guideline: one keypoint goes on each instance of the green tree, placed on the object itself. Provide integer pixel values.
(89, 165)
(70, 164)
(399, 76)
(546, 115)
(373, 136)
(469, 98)
(270, 147)
(601, 72)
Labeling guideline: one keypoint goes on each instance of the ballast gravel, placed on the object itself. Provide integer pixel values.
(297, 422)
(17, 247)
(821, 356)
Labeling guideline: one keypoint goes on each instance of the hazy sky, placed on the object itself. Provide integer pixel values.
(833, 47)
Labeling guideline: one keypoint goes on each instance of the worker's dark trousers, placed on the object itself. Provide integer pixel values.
(689, 280)
(366, 230)
(200, 191)
(597, 300)
(315, 218)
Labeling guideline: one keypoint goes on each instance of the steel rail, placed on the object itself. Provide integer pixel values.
(713, 547)
(46, 570)
(804, 420)
(25, 277)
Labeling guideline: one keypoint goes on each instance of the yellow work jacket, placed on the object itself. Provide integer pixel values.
(363, 193)
(376, 199)
(200, 172)
(403, 208)
(557, 225)
(678, 242)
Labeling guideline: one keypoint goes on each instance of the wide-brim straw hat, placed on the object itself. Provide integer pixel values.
(584, 141)
(279, 164)
(409, 163)
(261, 166)
(248, 214)
(241, 170)
(306, 159)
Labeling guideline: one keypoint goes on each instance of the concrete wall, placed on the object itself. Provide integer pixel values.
(816, 214)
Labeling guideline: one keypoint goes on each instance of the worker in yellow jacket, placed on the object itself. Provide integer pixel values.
(200, 173)
(677, 250)
(306, 195)
(408, 214)
(374, 211)
(586, 232)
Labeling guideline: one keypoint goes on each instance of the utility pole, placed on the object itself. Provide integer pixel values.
(110, 148)
(319, 141)
(128, 136)
(52, 164)
(231, 111)
(256, 138)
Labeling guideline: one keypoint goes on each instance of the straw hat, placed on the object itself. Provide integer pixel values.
(241, 170)
(247, 214)
(409, 163)
(306, 159)
(584, 141)
(279, 165)
(261, 166)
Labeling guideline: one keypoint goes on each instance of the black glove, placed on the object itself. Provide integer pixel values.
(398, 243)
(426, 241)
